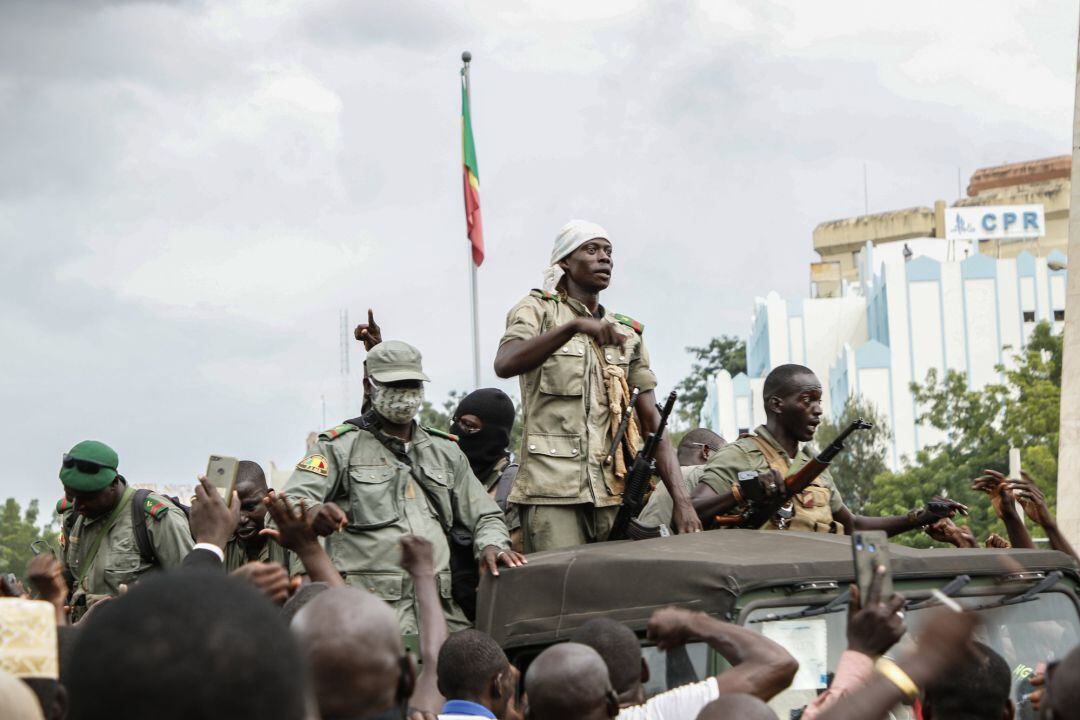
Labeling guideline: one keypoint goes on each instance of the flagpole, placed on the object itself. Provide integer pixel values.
(466, 58)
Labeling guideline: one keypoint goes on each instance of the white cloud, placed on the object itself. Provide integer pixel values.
(191, 192)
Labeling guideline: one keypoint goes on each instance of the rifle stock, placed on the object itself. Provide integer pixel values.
(637, 478)
(757, 513)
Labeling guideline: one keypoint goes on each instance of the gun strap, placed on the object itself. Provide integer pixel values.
(618, 395)
(776, 461)
(88, 561)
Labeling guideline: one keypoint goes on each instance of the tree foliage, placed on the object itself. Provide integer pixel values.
(722, 353)
(17, 531)
(863, 458)
(979, 427)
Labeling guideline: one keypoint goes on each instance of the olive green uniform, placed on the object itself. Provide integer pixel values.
(566, 495)
(389, 488)
(118, 561)
(813, 508)
(236, 555)
(660, 506)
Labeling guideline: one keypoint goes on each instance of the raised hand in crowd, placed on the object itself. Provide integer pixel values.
(211, 520)
(943, 643)
(295, 531)
(271, 579)
(368, 333)
(418, 559)
(946, 531)
(874, 625)
(993, 540)
(995, 485)
(1032, 499)
(760, 667)
(46, 575)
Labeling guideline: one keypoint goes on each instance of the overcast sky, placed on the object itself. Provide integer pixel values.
(191, 192)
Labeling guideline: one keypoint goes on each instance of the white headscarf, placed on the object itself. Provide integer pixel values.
(573, 235)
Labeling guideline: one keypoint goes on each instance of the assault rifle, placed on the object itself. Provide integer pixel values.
(637, 477)
(759, 504)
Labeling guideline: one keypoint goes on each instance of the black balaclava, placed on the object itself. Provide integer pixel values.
(486, 447)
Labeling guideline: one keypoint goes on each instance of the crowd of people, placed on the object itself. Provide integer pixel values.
(352, 592)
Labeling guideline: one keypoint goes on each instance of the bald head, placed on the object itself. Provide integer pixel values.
(735, 705)
(696, 445)
(569, 680)
(353, 649)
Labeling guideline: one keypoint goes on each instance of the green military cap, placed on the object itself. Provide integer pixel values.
(89, 466)
(394, 361)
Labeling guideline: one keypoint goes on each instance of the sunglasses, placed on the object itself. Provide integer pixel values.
(88, 467)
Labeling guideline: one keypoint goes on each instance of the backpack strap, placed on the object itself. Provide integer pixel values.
(505, 484)
(138, 524)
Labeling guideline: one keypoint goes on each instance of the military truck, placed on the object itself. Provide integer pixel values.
(790, 586)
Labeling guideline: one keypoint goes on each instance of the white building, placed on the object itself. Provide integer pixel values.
(917, 306)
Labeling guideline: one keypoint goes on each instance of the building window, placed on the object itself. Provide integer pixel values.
(1059, 316)
(1029, 316)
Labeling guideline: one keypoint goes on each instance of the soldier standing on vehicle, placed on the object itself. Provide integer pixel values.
(99, 548)
(577, 363)
(381, 476)
(792, 395)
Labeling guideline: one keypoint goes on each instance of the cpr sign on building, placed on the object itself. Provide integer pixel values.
(995, 222)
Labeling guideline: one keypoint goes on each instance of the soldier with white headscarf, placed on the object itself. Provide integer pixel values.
(577, 363)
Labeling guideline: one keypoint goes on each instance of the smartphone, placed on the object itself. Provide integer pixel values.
(221, 472)
(871, 550)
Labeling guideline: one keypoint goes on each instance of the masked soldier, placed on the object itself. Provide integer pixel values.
(377, 477)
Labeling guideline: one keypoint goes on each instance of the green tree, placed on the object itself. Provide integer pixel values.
(722, 353)
(863, 458)
(17, 531)
(979, 428)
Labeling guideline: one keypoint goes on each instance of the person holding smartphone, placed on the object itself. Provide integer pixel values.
(99, 549)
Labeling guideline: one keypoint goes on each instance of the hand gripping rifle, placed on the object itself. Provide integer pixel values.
(759, 504)
(637, 478)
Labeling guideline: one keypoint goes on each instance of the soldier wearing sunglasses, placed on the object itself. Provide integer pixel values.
(98, 545)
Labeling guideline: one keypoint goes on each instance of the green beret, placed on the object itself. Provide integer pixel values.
(89, 466)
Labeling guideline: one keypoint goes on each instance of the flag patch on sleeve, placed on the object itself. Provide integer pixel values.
(315, 464)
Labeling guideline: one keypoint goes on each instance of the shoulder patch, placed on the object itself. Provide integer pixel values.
(440, 433)
(545, 295)
(63, 505)
(155, 508)
(629, 322)
(338, 431)
(315, 463)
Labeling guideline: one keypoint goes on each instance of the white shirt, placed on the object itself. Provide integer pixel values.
(682, 703)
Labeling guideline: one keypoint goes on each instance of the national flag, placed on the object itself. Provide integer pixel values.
(471, 178)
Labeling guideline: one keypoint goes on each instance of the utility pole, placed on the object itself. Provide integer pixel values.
(1068, 494)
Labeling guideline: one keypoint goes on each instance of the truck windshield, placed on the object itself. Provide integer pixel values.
(1025, 634)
